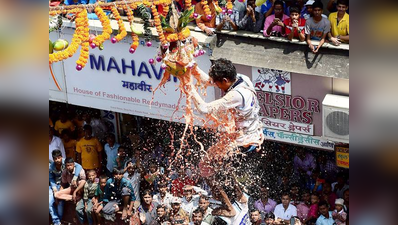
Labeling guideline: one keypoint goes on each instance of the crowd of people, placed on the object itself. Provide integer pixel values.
(141, 179)
(295, 19)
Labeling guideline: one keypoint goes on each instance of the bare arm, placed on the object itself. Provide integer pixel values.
(229, 211)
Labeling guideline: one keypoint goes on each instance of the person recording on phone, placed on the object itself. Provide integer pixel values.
(274, 25)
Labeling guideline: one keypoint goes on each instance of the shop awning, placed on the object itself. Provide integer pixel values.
(292, 57)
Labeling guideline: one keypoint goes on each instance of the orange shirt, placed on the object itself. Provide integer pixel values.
(89, 150)
(70, 148)
(203, 22)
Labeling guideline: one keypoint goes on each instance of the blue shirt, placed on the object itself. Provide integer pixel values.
(113, 191)
(55, 175)
(322, 220)
(111, 154)
(267, 5)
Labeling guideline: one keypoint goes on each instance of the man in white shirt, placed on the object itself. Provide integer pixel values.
(55, 143)
(285, 210)
(163, 197)
(190, 202)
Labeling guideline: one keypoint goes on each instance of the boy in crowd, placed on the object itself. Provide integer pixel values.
(89, 150)
(111, 150)
(86, 204)
(121, 159)
(274, 25)
(253, 20)
(310, 10)
(294, 26)
(55, 177)
(161, 216)
(224, 21)
(133, 175)
(317, 27)
(255, 217)
(339, 22)
(98, 198)
(71, 190)
(69, 144)
(207, 211)
(118, 191)
(163, 197)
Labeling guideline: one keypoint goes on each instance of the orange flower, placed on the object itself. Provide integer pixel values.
(158, 24)
(106, 26)
(120, 23)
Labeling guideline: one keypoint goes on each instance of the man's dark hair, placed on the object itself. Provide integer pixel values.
(278, 2)
(317, 4)
(342, 2)
(69, 160)
(254, 210)
(161, 206)
(198, 210)
(88, 127)
(285, 194)
(204, 197)
(65, 132)
(294, 9)
(269, 215)
(56, 153)
(110, 135)
(222, 68)
(322, 203)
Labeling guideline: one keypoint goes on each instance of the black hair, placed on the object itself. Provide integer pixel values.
(285, 193)
(317, 4)
(254, 210)
(65, 132)
(110, 135)
(204, 197)
(198, 210)
(161, 206)
(69, 160)
(269, 215)
(103, 176)
(314, 193)
(146, 192)
(294, 9)
(342, 2)
(56, 153)
(322, 203)
(117, 172)
(88, 127)
(278, 2)
(222, 68)
(91, 171)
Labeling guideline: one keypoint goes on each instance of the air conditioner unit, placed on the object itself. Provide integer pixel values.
(336, 118)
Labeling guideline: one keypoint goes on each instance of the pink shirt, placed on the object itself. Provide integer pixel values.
(313, 211)
(276, 28)
(302, 211)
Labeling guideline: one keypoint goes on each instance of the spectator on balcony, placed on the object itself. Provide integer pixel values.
(310, 10)
(73, 2)
(205, 24)
(317, 27)
(294, 26)
(339, 21)
(224, 21)
(274, 25)
(253, 20)
(268, 7)
(333, 6)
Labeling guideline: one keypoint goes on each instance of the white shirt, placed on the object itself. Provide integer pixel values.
(242, 215)
(166, 201)
(56, 143)
(135, 182)
(189, 206)
(286, 215)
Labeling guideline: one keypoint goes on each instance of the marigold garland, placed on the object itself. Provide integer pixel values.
(229, 5)
(188, 4)
(122, 28)
(166, 9)
(184, 34)
(158, 25)
(206, 8)
(136, 41)
(76, 41)
(84, 31)
(106, 27)
(57, 12)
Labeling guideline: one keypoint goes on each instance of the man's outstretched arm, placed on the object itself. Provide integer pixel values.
(230, 100)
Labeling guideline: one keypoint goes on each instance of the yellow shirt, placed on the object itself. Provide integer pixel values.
(343, 28)
(70, 148)
(89, 150)
(59, 126)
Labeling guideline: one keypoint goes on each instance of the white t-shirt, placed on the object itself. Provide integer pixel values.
(166, 201)
(286, 215)
(135, 182)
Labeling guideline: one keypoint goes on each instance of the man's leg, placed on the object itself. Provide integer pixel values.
(53, 211)
(125, 201)
(89, 212)
(80, 211)
(64, 194)
(60, 206)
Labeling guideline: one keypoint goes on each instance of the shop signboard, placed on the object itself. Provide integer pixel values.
(290, 126)
(118, 81)
(298, 139)
(342, 156)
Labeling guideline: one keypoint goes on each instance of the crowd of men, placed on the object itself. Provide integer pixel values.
(143, 183)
